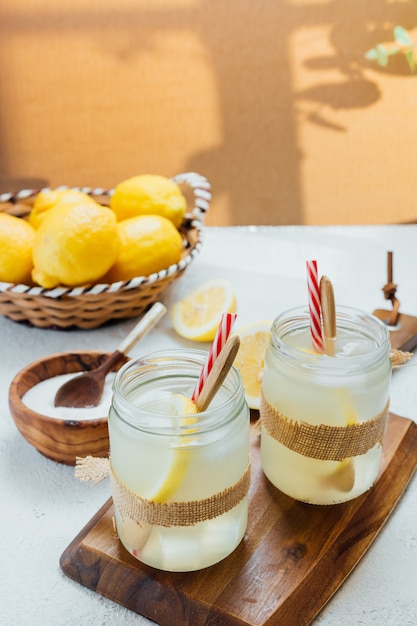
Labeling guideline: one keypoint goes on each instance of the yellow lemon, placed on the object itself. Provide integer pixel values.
(148, 244)
(149, 194)
(46, 200)
(197, 316)
(76, 244)
(180, 406)
(250, 359)
(16, 242)
(136, 534)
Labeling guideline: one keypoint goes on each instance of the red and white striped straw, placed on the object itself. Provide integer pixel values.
(314, 306)
(219, 340)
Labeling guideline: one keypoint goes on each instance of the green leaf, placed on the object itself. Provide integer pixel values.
(382, 55)
(410, 60)
(371, 55)
(402, 37)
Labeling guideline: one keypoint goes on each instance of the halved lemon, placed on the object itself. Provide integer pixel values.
(197, 316)
(254, 340)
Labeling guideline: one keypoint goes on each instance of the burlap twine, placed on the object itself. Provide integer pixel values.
(166, 514)
(327, 443)
(399, 358)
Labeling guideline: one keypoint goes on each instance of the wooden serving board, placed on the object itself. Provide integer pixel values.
(289, 564)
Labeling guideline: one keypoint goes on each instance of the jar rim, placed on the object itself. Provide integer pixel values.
(346, 317)
(159, 363)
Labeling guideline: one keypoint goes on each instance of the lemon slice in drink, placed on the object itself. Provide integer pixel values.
(343, 477)
(197, 316)
(134, 534)
(254, 340)
(180, 406)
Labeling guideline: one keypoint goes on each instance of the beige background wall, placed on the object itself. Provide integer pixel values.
(272, 100)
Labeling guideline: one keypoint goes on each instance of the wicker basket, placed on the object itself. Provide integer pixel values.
(94, 305)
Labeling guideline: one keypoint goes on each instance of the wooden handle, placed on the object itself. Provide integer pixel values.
(220, 369)
(390, 275)
(142, 328)
(328, 310)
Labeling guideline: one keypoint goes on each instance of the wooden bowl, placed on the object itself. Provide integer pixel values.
(61, 440)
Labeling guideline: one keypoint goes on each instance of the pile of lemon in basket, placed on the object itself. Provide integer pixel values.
(69, 239)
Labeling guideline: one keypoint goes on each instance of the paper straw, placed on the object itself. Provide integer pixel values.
(219, 340)
(314, 306)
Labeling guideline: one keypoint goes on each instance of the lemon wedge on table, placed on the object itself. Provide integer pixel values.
(254, 340)
(197, 316)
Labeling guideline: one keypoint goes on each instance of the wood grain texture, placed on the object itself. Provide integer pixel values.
(292, 559)
(404, 335)
(61, 440)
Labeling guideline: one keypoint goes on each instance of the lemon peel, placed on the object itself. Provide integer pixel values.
(197, 316)
(75, 244)
(181, 406)
(148, 244)
(49, 198)
(343, 477)
(16, 243)
(149, 194)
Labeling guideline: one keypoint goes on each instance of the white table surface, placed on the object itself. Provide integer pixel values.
(43, 507)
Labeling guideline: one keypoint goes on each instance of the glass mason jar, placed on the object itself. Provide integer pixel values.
(179, 481)
(324, 417)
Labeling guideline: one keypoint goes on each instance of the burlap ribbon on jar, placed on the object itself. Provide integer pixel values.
(166, 514)
(324, 442)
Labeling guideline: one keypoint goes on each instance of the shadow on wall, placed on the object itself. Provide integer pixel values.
(277, 68)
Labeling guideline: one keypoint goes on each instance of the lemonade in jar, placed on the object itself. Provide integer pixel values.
(324, 417)
(179, 478)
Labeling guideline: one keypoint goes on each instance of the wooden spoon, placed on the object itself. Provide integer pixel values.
(220, 369)
(86, 389)
(343, 478)
(328, 310)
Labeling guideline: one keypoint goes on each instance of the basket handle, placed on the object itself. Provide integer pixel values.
(201, 189)
(199, 185)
